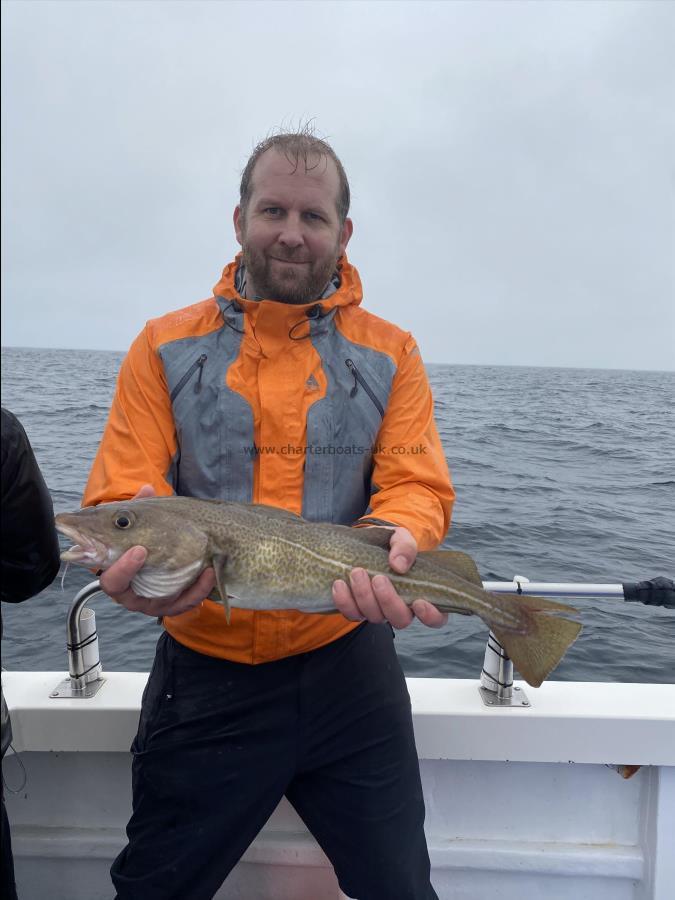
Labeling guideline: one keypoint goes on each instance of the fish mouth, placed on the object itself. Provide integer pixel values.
(86, 550)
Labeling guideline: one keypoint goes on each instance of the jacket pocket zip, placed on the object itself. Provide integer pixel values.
(197, 364)
(360, 380)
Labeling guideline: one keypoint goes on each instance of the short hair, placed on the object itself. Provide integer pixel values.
(296, 146)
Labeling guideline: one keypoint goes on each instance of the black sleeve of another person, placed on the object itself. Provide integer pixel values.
(29, 551)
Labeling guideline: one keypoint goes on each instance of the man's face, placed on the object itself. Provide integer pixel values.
(290, 232)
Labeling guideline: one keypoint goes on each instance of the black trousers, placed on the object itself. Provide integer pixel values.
(7, 877)
(219, 744)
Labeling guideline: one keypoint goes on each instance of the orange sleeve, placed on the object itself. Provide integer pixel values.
(139, 442)
(411, 481)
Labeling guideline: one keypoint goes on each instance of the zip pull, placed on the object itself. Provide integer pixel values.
(360, 380)
(200, 363)
(352, 368)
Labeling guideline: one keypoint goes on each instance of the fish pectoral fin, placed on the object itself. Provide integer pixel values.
(219, 567)
(457, 562)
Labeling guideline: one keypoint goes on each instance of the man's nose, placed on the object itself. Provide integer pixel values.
(291, 233)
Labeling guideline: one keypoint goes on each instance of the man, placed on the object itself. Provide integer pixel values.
(29, 561)
(279, 390)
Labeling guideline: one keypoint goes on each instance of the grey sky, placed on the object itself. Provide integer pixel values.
(511, 165)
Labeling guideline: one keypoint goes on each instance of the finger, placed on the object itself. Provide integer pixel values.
(134, 603)
(344, 602)
(202, 587)
(364, 596)
(154, 606)
(171, 606)
(394, 607)
(402, 550)
(118, 577)
(147, 490)
(188, 599)
(428, 614)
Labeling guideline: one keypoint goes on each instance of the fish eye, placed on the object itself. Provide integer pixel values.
(122, 520)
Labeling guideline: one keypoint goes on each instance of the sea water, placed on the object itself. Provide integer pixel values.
(561, 475)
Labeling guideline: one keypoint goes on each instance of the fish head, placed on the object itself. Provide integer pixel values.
(101, 534)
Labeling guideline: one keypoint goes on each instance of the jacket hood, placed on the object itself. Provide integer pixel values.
(349, 293)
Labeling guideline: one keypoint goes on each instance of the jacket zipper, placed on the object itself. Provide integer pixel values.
(360, 380)
(198, 364)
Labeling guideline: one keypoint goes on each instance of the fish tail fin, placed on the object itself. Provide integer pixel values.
(546, 638)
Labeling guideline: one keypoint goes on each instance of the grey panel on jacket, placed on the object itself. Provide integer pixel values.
(343, 426)
(214, 424)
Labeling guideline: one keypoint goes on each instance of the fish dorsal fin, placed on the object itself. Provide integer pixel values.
(376, 535)
(373, 534)
(457, 562)
(276, 512)
(219, 567)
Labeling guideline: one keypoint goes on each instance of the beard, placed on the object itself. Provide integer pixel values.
(291, 283)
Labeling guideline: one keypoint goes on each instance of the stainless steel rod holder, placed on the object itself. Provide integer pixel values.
(84, 665)
(496, 678)
(497, 673)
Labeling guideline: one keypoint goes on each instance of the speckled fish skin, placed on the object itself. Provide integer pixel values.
(266, 558)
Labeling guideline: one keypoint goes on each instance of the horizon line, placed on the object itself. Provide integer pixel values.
(483, 365)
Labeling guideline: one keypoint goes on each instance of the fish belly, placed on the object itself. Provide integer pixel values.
(242, 596)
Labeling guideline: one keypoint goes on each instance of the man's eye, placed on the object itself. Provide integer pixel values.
(272, 211)
(314, 216)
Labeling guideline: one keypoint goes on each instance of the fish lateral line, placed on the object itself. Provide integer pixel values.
(417, 585)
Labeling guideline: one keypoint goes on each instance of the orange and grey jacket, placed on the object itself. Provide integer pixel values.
(322, 409)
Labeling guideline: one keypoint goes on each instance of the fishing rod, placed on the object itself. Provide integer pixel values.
(653, 592)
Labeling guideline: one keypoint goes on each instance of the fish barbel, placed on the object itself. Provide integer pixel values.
(267, 558)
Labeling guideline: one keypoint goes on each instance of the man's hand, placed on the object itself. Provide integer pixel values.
(376, 599)
(116, 581)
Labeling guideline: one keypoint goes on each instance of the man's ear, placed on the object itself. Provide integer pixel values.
(238, 219)
(345, 235)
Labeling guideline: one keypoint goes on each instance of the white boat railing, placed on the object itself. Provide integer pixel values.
(524, 586)
(654, 592)
(496, 680)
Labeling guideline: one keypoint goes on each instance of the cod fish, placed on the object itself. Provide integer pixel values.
(267, 558)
